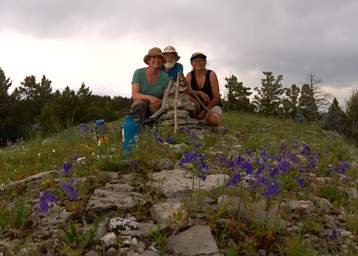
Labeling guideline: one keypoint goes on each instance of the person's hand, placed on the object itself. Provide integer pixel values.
(155, 102)
(204, 97)
(202, 114)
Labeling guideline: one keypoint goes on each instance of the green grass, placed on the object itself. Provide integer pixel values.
(249, 130)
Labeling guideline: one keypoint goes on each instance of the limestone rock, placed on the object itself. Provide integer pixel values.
(169, 213)
(165, 164)
(111, 197)
(194, 241)
(300, 206)
(108, 240)
(178, 183)
(231, 205)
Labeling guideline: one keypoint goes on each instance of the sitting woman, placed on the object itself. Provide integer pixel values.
(148, 85)
(205, 86)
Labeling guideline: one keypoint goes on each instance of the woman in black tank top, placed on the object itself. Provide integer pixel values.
(205, 85)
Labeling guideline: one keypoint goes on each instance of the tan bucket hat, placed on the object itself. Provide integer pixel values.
(171, 49)
(155, 51)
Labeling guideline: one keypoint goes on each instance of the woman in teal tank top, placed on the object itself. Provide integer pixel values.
(148, 85)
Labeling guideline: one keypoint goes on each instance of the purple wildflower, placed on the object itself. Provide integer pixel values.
(67, 167)
(46, 197)
(284, 165)
(234, 179)
(334, 234)
(273, 171)
(293, 157)
(272, 189)
(300, 181)
(247, 166)
(301, 170)
(70, 188)
(260, 170)
(306, 150)
(134, 164)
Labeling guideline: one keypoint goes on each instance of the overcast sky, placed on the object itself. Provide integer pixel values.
(101, 43)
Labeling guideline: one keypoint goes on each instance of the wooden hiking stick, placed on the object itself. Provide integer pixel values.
(164, 102)
(176, 106)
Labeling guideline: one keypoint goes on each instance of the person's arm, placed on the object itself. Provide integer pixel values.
(214, 90)
(136, 95)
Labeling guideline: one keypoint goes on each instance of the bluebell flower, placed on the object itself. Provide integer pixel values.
(247, 166)
(273, 171)
(284, 165)
(70, 188)
(67, 167)
(234, 179)
(306, 150)
(300, 181)
(46, 197)
(272, 189)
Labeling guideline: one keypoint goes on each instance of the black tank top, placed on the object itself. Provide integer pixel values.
(207, 85)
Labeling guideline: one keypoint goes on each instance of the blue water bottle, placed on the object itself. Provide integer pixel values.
(129, 132)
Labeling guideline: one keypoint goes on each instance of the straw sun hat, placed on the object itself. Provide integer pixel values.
(155, 51)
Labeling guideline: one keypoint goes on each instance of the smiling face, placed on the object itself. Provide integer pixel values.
(198, 64)
(171, 59)
(155, 61)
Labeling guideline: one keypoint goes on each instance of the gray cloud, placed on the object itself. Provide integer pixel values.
(288, 37)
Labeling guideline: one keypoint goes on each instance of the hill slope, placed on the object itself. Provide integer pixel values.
(266, 185)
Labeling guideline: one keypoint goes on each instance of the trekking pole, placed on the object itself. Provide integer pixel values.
(176, 106)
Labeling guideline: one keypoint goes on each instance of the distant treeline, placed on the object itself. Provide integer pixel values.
(304, 103)
(34, 106)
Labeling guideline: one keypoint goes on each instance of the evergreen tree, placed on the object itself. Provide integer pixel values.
(290, 102)
(352, 114)
(5, 84)
(336, 119)
(307, 103)
(268, 97)
(238, 95)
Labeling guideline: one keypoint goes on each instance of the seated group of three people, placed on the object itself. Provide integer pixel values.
(149, 84)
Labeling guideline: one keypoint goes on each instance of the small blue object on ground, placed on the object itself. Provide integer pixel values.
(130, 132)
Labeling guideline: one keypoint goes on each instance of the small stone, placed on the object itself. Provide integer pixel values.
(108, 240)
(194, 241)
(146, 228)
(101, 229)
(301, 206)
(150, 253)
(231, 205)
(111, 252)
(322, 203)
(352, 193)
(92, 253)
(168, 213)
(165, 164)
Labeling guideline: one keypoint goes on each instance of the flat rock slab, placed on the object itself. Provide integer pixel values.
(301, 207)
(195, 241)
(177, 183)
(111, 197)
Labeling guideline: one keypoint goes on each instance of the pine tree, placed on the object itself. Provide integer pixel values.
(352, 114)
(307, 103)
(336, 119)
(238, 95)
(290, 102)
(5, 84)
(268, 99)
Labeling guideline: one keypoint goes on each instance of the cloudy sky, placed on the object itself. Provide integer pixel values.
(101, 43)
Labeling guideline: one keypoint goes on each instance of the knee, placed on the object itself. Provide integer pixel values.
(139, 108)
(214, 119)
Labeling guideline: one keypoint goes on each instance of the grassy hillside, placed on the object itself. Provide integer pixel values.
(304, 190)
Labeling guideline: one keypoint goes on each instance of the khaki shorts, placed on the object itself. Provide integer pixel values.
(217, 109)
